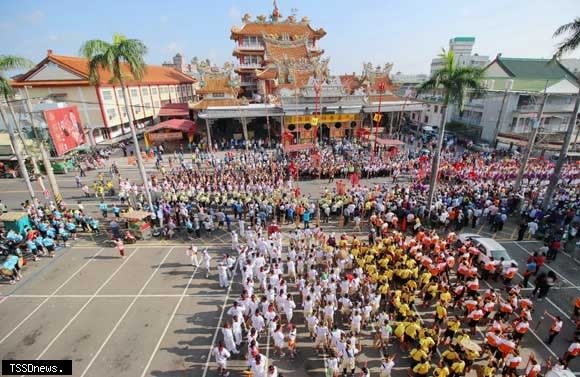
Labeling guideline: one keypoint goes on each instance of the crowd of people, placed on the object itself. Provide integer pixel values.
(386, 287)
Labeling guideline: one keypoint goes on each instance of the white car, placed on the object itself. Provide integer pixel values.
(464, 237)
(491, 248)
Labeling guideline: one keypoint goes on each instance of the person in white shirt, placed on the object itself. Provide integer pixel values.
(229, 342)
(349, 358)
(289, 307)
(321, 332)
(235, 242)
(206, 261)
(223, 275)
(355, 322)
(191, 252)
(279, 340)
(387, 366)
(221, 355)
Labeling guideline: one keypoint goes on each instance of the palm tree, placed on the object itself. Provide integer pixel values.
(7, 63)
(113, 57)
(570, 43)
(455, 81)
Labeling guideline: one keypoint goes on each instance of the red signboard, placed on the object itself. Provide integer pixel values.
(64, 125)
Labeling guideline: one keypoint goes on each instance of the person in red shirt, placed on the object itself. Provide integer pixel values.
(572, 351)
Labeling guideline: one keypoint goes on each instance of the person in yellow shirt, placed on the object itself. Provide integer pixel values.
(411, 332)
(418, 355)
(457, 368)
(441, 371)
(450, 356)
(440, 313)
(426, 342)
(422, 369)
(453, 324)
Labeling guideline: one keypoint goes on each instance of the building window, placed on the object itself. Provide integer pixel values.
(154, 91)
(120, 97)
(107, 95)
(436, 108)
(147, 106)
(137, 109)
(220, 95)
(134, 93)
(145, 91)
(172, 89)
(156, 103)
(426, 119)
(111, 113)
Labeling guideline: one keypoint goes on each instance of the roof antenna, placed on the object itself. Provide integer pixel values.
(294, 11)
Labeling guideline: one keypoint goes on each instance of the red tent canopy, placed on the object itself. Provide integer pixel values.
(174, 109)
(389, 142)
(182, 125)
(298, 147)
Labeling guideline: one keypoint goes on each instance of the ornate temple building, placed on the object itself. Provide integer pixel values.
(262, 42)
(282, 88)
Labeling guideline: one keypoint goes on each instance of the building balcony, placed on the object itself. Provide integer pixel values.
(548, 108)
(249, 66)
(250, 46)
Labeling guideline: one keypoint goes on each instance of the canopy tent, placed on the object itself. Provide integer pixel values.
(298, 147)
(174, 110)
(170, 130)
(389, 142)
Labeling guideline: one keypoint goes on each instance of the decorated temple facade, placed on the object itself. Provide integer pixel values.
(281, 88)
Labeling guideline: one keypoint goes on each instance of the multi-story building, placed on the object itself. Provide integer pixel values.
(101, 105)
(250, 49)
(462, 48)
(525, 81)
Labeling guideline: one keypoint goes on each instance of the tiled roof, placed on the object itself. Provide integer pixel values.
(350, 83)
(267, 74)
(299, 78)
(213, 102)
(278, 28)
(275, 51)
(543, 69)
(153, 74)
(216, 84)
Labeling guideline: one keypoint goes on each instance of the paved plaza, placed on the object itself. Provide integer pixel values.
(153, 314)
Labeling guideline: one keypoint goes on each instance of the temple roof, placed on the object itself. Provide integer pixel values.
(269, 73)
(217, 83)
(215, 102)
(350, 83)
(281, 50)
(276, 28)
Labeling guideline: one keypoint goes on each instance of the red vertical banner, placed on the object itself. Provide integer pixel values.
(64, 126)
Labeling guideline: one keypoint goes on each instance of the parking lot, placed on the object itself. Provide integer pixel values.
(152, 314)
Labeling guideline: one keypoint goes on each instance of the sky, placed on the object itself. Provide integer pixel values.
(406, 33)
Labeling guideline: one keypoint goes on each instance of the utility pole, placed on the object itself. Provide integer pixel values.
(17, 152)
(435, 161)
(531, 141)
(508, 86)
(563, 155)
(43, 153)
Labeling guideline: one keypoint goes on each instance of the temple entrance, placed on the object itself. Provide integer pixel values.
(323, 132)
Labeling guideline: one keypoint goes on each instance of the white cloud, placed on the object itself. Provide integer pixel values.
(235, 15)
(33, 17)
(163, 19)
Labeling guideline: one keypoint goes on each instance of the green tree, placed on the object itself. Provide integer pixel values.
(455, 82)
(8, 63)
(569, 44)
(572, 41)
(114, 57)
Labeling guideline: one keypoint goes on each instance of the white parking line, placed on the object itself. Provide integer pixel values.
(215, 334)
(49, 297)
(124, 315)
(55, 338)
(169, 322)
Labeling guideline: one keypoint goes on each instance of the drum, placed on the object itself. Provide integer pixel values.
(6, 272)
(20, 262)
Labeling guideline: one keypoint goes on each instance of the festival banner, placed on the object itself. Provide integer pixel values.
(64, 126)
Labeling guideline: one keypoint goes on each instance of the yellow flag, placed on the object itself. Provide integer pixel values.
(377, 118)
(314, 121)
